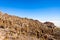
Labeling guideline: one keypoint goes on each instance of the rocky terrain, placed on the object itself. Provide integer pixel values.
(17, 28)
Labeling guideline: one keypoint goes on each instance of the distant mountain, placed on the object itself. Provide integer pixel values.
(17, 28)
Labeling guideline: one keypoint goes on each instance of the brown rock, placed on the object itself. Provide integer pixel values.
(16, 28)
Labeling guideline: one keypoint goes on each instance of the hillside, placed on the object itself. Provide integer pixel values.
(17, 28)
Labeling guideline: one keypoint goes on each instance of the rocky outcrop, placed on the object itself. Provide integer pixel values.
(17, 28)
(50, 24)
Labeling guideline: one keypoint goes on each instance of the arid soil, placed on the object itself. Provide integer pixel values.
(17, 28)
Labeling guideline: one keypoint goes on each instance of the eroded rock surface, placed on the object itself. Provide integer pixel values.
(17, 28)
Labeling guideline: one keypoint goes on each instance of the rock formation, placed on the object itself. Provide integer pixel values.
(17, 28)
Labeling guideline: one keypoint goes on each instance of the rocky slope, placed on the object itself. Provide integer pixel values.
(17, 28)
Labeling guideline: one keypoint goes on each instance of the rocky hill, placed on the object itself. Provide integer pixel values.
(17, 28)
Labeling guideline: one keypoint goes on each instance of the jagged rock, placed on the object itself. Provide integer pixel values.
(49, 24)
(17, 28)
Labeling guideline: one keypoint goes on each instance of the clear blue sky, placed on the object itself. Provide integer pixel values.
(43, 10)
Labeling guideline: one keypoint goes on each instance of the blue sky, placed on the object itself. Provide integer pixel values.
(43, 10)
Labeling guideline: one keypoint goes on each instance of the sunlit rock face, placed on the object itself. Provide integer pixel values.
(17, 28)
(2, 34)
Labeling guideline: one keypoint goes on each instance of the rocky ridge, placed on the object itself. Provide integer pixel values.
(17, 28)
